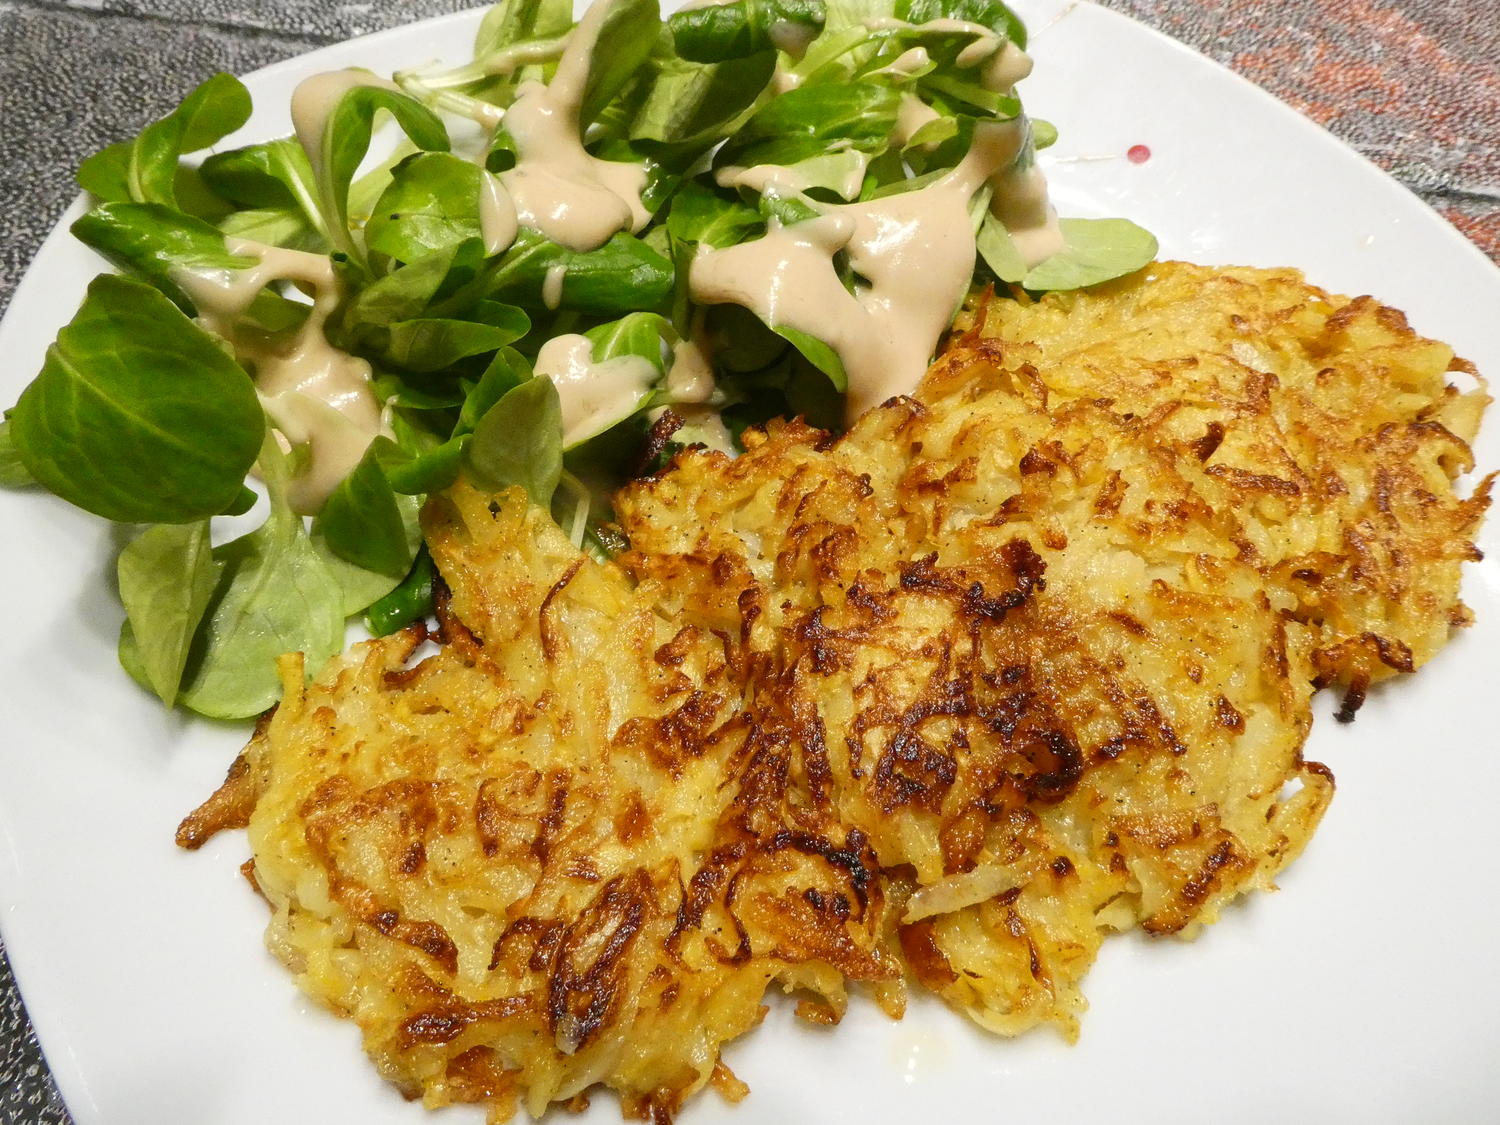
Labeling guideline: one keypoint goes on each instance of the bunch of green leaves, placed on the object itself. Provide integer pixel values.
(146, 411)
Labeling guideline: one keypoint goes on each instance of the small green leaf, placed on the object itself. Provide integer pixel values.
(13, 473)
(274, 228)
(145, 170)
(512, 21)
(992, 14)
(365, 522)
(519, 442)
(276, 594)
(358, 588)
(621, 276)
(274, 178)
(432, 203)
(999, 252)
(788, 210)
(1094, 250)
(971, 93)
(250, 176)
(155, 243)
(138, 415)
(638, 334)
(411, 291)
(819, 354)
(700, 214)
(430, 471)
(731, 31)
(167, 576)
(436, 343)
(346, 139)
(687, 101)
(508, 370)
(934, 133)
(813, 120)
(627, 33)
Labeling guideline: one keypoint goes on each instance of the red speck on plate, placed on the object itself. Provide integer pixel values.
(1138, 154)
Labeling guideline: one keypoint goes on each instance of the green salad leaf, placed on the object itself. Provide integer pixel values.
(627, 35)
(624, 275)
(146, 169)
(275, 594)
(812, 120)
(167, 576)
(13, 471)
(432, 204)
(153, 242)
(519, 441)
(367, 522)
(518, 21)
(137, 415)
(1094, 251)
(346, 140)
(744, 27)
(410, 600)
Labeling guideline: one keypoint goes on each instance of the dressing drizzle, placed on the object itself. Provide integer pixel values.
(316, 395)
(914, 251)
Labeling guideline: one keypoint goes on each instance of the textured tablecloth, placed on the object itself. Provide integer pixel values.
(1415, 86)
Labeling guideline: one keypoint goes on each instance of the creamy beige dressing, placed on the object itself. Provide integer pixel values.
(1021, 203)
(1005, 68)
(594, 394)
(905, 64)
(315, 99)
(498, 221)
(791, 37)
(690, 378)
(914, 249)
(558, 187)
(977, 51)
(315, 394)
(552, 285)
(911, 114)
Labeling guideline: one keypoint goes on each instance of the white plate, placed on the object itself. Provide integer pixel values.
(1365, 991)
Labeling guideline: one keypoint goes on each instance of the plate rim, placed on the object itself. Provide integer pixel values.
(65, 1066)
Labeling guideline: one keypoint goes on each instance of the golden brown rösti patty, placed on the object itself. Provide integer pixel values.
(1020, 661)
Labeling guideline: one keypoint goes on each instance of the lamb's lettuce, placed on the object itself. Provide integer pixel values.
(167, 576)
(275, 594)
(13, 472)
(519, 441)
(137, 415)
(345, 141)
(432, 204)
(1094, 251)
(146, 169)
(144, 414)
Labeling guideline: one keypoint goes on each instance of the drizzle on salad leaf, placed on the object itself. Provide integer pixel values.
(729, 124)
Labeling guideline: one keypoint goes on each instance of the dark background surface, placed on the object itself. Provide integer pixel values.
(1415, 86)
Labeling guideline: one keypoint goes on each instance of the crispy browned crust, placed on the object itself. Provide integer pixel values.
(1020, 661)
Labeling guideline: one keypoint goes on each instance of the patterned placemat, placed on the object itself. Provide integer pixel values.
(1415, 88)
